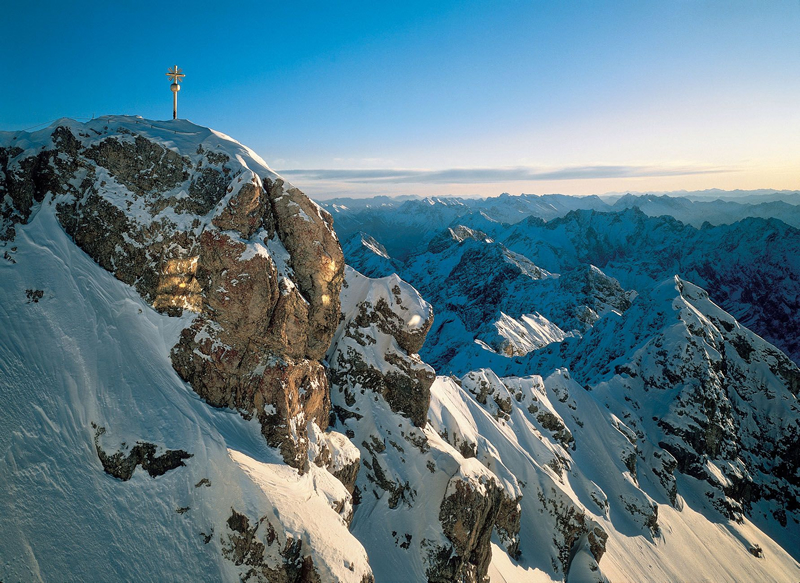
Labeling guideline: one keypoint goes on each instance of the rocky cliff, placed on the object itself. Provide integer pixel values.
(210, 230)
(429, 510)
(247, 271)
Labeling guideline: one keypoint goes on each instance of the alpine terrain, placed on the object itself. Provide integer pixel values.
(198, 382)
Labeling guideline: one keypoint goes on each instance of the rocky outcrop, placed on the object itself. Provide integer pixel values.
(533, 413)
(265, 554)
(143, 454)
(256, 344)
(391, 320)
(337, 454)
(203, 225)
(306, 231)
(470, 512)
(243, 546)
(593, 295)
(380, 391)
(26, 177)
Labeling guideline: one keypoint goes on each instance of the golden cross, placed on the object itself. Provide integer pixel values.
(175, 74)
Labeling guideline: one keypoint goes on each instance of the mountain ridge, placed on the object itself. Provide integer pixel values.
(195, 385)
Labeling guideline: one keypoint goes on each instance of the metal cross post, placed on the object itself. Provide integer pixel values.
(177, 76)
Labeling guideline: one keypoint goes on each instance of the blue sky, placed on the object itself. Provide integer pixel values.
(438, 97)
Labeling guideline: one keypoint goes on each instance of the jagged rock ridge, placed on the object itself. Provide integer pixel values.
(243, 275)
(427, 510)
(205, 231)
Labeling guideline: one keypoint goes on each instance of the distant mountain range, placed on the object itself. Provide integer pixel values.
(423, 214)
(644, 324)
(751, 267)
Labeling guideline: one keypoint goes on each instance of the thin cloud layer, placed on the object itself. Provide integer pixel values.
(493, 175)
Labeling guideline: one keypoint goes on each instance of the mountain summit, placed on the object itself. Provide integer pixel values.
(222, 273)
(194, 386)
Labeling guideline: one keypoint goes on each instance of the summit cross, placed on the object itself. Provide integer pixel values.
(177, 76)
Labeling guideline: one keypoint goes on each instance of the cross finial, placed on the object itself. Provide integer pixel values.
(177, 76)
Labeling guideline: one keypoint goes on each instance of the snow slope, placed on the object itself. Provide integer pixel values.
(590, 482)
(84, 360)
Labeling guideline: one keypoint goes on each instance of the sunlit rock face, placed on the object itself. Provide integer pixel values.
(199, 224)
(423, 504)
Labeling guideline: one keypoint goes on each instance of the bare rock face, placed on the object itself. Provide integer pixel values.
(257, 342)
(306, 231)
(200, 223)
(469, 513)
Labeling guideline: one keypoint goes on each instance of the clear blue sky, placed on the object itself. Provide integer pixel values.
(438, 97)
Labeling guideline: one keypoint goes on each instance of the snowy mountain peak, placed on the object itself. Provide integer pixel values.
(195, 386)
(234, 282)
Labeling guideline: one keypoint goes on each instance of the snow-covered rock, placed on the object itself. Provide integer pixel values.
(493, 303)
(659, 422)
(113, 468)
(369, 255)
(425, 511)
(195, 221)
(744, 253)
(751, 268)
(710, 407)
